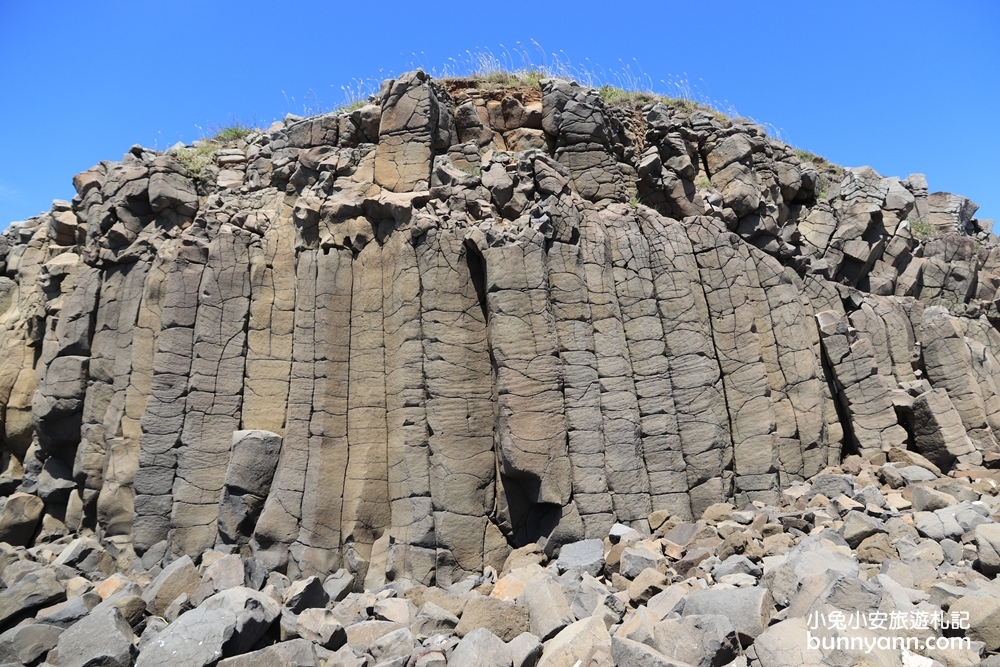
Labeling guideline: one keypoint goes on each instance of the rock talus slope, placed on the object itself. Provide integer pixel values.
(406, 339)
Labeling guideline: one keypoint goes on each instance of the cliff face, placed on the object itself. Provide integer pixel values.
(403, 339)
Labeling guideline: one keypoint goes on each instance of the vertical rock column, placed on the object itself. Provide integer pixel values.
(163, 420)
(530, 431)
(696, 380)
(318, 547)
(862, 391)
(458, 377)
(215, 398)
(122, 430)
(723, 263)
(114, 307)
(412, 554)
(17, 381)
(366, 485)
(269, 336)
(624, 466)
(102, 418)
(570, 304)
(795, 375)
(949, 365)
(278, 525)
(661, 447)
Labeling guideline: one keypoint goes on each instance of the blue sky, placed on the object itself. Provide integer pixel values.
(902, 86)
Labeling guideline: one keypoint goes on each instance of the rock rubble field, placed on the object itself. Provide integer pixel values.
(483, 374)
(891, 539)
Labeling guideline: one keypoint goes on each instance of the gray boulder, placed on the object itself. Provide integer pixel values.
(548, 609)
(585, 556)
(306, 594)
(481, 648)
(700, 641)
(34, 590)
(180, 577)
(320, 626)
(19, 518)
(26, 644)
(228, 623)
(953, 522)
(749, 609)
(292, 653)
(102, 639)
(634, 654)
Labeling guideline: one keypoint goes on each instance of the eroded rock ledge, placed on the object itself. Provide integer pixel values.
(407, 339)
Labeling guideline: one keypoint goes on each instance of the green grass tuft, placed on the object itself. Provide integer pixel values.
(198, 161)
(923, 231)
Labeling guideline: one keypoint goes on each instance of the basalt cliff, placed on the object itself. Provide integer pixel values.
(405, 339)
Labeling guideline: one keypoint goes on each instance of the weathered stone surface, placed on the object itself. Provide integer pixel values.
(504, 619)
(26, 644)
(320, 626)
(697, 640)
(178, 578)
(400, 341)
(19, 517)
(228, 623)
(34, 590)
(481, 647)
(748, 609)
(292, 653)
(102, 638)
(573, 643)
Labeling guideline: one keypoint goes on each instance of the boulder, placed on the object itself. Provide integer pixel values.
(481, 648)
(292, 653)
(548, 609)
(585, 556)
(19, 518)
(628, 652)
(306, 594)
(179, 578)
(988, 544)
(748, 609)
(33, 591)
(226, 624)
(698, 640)
(27, 644)
(104, 638)
(573, 643)
(504, 619)
(320, 626)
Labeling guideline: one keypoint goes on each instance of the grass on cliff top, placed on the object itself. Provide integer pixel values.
(198, 160)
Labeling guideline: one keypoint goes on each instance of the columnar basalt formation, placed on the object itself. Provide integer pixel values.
(408, 338)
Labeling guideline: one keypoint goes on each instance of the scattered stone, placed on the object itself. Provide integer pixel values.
(481, 648)
(584, 556)
(102, 638)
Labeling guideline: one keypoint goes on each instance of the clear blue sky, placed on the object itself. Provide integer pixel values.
(902, 86)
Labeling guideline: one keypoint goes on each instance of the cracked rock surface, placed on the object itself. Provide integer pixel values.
(398, 346)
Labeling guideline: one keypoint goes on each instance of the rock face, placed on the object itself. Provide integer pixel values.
(406, 339)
